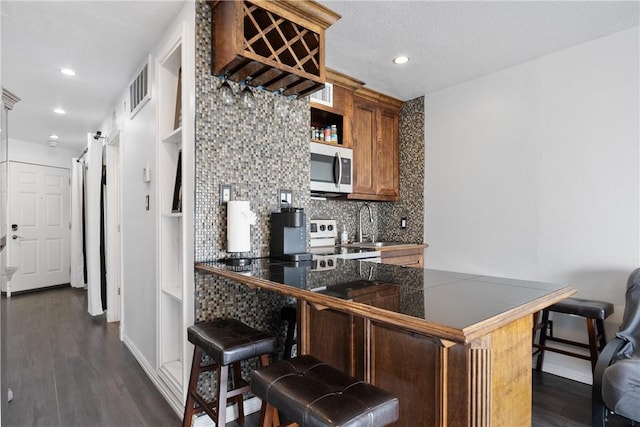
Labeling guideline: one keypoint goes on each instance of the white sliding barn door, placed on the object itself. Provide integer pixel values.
(38, 225)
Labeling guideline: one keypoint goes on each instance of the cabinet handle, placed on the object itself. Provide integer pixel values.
(339, 170)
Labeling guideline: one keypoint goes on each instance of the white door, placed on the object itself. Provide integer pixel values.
(38, 225)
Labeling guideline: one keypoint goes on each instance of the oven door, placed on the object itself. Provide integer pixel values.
(331, 169)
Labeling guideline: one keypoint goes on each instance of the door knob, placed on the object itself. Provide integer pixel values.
(15, 236)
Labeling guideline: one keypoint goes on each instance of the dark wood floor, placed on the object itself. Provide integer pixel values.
(67, 369)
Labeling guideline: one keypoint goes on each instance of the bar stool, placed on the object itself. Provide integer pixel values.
(289, 313)
(594, 311)
(227, 342)
(309, 392)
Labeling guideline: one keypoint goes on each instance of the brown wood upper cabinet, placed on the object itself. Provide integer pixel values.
(279, 45)
(375, 130)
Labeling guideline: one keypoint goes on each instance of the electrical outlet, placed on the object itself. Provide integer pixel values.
(225, 193)
(285, 198)
(403, 222)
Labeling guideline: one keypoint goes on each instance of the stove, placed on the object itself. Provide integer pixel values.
(323, 248)
(322, 232)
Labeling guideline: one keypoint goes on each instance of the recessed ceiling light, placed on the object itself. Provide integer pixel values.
(400, 59)
(67, 71)
(59, 111)
(54, 136)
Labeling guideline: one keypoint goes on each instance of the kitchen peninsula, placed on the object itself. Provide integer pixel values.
(454, 347)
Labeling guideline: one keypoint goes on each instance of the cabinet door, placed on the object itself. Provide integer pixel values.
(364, 150)
(387, 175)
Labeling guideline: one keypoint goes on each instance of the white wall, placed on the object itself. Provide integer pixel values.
(40, 154)
(533, 172)
(138, 136)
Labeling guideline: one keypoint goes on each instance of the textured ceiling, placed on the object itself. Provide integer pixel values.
(448, 42)
(104, 41)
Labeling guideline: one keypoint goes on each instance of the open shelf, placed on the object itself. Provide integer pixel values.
(172, 215)
(175, 137)
(321, 119)
(175, 293)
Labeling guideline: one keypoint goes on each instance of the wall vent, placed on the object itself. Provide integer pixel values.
(139, 90)
(323, 96)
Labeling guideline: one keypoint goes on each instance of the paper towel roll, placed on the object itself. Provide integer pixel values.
(239, 222)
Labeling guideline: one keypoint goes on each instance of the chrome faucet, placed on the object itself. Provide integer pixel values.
(360, 234)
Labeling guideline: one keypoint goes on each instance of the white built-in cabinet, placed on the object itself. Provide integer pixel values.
(175, 91)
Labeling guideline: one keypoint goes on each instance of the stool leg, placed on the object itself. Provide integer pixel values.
(237, 376)
(266, 415)
(536, 318)
(264, 360)
(543, 339)
(193, 383)
(223, 379)
(593, 346)
(269, 416)
(601, 334)
(291, 329)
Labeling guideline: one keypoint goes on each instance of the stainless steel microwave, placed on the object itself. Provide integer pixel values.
(331, 169)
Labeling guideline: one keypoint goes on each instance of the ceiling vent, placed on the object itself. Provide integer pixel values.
(324, 96)
(139, 91)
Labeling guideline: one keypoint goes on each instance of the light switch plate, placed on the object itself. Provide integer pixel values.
(225, 193)
(285, 198)
(146, 174)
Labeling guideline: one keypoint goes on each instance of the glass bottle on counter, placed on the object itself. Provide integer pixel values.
(344, 236)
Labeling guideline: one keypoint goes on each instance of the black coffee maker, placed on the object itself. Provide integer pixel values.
(289, 235)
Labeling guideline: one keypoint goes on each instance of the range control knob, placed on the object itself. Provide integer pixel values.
(322, 227)
(330, 227)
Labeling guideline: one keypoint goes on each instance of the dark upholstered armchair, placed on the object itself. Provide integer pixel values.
(616, 379)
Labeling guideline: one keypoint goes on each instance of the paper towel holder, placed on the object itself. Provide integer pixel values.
(240, 218)
(236, 262)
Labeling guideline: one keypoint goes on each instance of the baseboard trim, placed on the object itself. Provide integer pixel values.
(31, 291)
(177, 406)
(250, 406)
(576, 372)
(566, 372)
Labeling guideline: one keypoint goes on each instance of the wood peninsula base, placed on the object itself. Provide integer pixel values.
(455, 348)
(437, 382)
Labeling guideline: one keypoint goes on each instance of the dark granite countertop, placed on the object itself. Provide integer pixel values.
(458, 301)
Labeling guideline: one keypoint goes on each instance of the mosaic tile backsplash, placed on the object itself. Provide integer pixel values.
(411, 204)
(258, 151)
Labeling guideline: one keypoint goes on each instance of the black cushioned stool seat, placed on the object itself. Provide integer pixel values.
(227, 342)
(594, 312)
(311, 393)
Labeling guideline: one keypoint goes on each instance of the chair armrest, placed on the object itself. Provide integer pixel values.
(608, 353)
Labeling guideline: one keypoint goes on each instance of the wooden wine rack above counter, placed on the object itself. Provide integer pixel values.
(279, 45)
